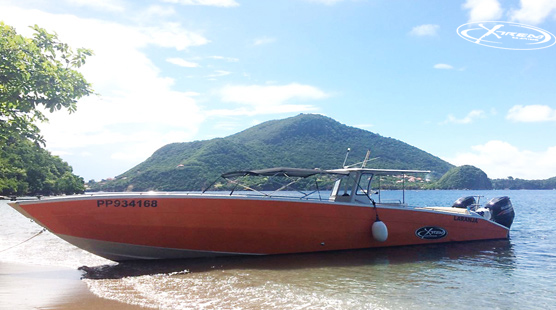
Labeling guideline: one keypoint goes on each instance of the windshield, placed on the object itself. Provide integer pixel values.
(364, 186)
(346, 185)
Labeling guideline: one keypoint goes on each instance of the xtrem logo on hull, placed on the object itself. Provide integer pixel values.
(431, 232)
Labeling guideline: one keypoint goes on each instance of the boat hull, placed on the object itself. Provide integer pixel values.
(131, 227)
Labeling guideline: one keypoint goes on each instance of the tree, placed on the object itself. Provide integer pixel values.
(35, 74)
(28, 169)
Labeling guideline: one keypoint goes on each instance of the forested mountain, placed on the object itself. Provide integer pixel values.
(303, 141)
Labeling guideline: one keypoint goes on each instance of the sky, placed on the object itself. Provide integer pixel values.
(183, 70)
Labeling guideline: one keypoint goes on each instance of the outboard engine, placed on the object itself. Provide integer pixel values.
(501, 210)
(464, 202)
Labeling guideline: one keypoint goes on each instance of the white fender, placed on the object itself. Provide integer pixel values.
(380, 231)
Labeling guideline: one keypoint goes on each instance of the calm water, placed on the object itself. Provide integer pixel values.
(519, 273)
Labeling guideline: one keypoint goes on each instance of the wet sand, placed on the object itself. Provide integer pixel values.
(46, 287)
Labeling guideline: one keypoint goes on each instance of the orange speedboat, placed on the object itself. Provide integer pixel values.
(128, 226)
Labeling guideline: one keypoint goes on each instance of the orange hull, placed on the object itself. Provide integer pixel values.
(177, 226)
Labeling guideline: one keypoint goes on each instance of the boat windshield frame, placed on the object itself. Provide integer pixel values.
(294, 175)
(290, 175)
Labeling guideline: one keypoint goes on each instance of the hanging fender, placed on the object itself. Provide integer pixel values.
(379, 231)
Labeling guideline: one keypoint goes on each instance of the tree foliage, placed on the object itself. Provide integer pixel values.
(511, 183)
(28, 169)
(36, 74)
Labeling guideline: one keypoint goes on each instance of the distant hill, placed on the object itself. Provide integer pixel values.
(464, 177)
(303, 141)
(511, 183)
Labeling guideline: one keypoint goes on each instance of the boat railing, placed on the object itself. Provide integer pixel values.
(294, 195)
(284, 181)
(291, 195)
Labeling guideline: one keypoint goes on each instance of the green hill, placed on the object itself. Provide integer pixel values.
(303, 141)
(464, 177)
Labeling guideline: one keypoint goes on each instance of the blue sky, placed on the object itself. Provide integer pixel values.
(183, 70)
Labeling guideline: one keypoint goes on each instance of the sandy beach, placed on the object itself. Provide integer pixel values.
(25, 287)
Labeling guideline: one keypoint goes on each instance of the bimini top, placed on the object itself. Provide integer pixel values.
(377, 171)
(282, 171)
(304, 173)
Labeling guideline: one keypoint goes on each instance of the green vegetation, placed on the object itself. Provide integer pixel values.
(511, 183)
(464, 177)
(36, 74)
(303, 141)
(27, 169)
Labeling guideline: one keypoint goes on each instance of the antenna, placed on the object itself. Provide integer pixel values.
(366, 159)
(345, 159)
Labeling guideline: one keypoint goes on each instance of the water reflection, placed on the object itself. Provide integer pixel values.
(493, 254)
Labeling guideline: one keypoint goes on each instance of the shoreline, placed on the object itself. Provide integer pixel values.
(25, 287)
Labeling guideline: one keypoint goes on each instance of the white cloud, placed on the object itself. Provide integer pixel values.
(500, 159)
(469, 118)
(130, 118)
(138, 109)
(424, 30)
(531, 113)
(219, 73)
(326, 2)
(104, 5)
(268, 99)
(172, 35)
(534, 11)
(61, 153)
(264, 40)
(220, 3)
(228, 59)
(483, 10)
(228, 126)
(182, 62)
(364, 126)
(156, 11)
(443, 66)
(530, 11)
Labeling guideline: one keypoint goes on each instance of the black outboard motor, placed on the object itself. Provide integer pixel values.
(502, 210)
(464, 202)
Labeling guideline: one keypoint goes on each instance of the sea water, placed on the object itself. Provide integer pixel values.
(519, 273)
